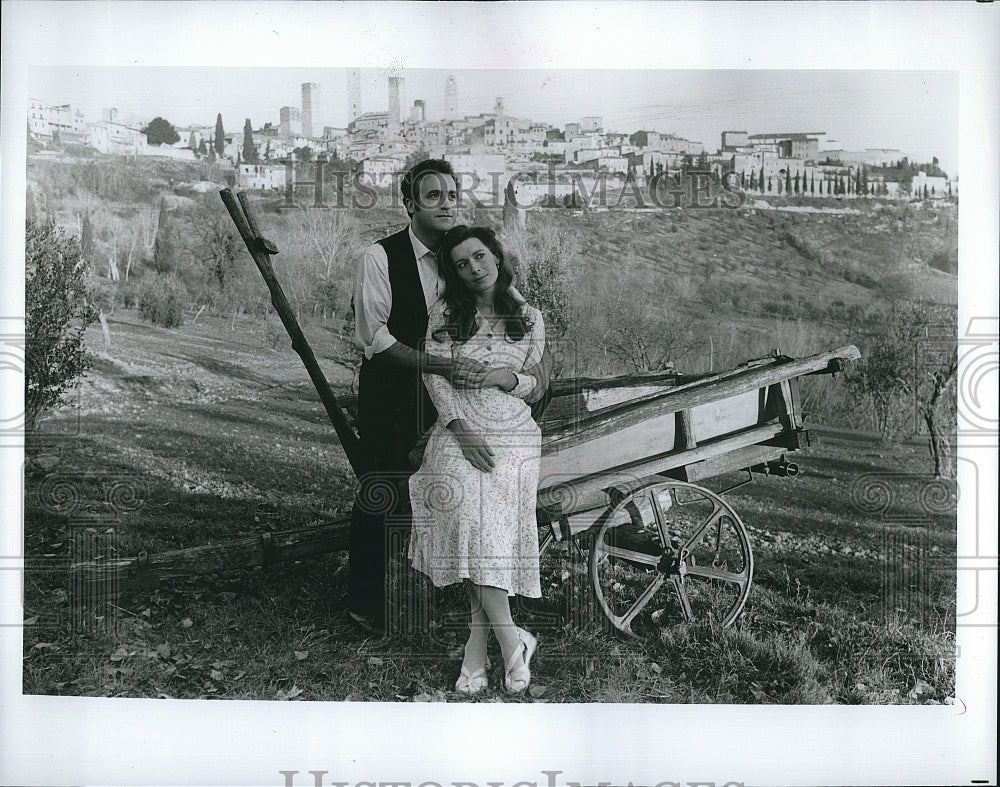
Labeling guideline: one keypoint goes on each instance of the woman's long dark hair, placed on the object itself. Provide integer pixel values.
(460, 301)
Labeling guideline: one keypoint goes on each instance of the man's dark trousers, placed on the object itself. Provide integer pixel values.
(393, 412)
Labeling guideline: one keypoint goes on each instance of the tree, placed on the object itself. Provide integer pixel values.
(812, 183)
(160, 132)
(164, 248)
(86, 237)
(220, 136)
(202, 148)
(788, 180)
(911, 367)
(249, 149)
(57, 312)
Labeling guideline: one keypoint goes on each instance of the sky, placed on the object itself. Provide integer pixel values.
(913, 111)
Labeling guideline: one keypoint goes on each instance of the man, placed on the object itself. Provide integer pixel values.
(394, 287)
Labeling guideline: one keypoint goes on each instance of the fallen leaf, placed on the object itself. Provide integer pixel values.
(920, 689)
(293, 692)
(537, 691)
(215, 675)
(163, 650)
(187, 623)
(301, 655)
(119, 654)
(656, 667)
(239, 675)
(375, 661)
(31, 621)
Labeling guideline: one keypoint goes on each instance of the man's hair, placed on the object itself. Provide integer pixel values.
(418, 170)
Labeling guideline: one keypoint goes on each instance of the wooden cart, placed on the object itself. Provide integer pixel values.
(621, 471)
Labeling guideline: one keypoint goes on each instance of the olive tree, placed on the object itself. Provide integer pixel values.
(57, 312)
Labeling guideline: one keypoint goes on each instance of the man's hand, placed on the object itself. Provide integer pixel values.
(469, 373)
(474, 448)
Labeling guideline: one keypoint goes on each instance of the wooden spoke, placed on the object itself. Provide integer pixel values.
(631, 554)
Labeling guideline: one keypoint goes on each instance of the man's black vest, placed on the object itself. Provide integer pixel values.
(393, 406)
(408, 315)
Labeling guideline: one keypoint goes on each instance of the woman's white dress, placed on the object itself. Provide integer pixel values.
(467, 523)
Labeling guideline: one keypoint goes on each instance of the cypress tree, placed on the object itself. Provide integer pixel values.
(220, 136)
(87, 237)
(788, 180)
(249, 149)
(163, 246)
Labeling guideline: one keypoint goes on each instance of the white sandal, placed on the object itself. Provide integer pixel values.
(474, 682)
(517, 676)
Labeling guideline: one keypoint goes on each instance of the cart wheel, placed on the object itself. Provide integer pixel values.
(670, 550)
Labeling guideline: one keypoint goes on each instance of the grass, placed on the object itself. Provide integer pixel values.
(203, 434)
(223, 438)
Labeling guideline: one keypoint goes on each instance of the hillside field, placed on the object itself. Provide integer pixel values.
(218, 433)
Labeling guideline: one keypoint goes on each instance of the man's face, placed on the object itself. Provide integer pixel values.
(433, 205)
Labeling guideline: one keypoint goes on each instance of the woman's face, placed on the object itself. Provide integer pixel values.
(475, 265)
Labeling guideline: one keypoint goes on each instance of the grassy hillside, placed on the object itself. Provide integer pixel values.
(220, 436)
(218, 433)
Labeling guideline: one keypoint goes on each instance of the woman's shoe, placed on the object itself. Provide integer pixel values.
(472, 683)
(518, 676)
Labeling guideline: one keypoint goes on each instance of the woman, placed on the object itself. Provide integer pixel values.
(474, 495)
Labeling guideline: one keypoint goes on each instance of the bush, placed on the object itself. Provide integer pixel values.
(943, 261)
(162, 300)
(57, 312)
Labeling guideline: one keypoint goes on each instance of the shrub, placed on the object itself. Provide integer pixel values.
(943, 261)
(162, 300)
(57, 312)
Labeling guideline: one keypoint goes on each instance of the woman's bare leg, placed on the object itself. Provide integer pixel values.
(497, 608)
(479, 633)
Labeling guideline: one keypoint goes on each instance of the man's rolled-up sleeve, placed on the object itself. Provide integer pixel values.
(372, 302)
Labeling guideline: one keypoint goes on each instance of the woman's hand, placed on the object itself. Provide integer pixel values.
(474, 448)
(468, 373)
(504, 379)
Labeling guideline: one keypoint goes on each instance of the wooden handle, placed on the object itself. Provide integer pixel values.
(246, 224)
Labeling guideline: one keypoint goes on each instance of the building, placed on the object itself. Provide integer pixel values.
(115, 138)
(451, 98)
(592, 124)
(59, 123)
(354, 94)
(418, 112)
(310, 108)
(795, 145)
(395, 100)
(734, 140)
(290, 124)
(261, 177)
(936, 187)
(369, 121)
(379, 171)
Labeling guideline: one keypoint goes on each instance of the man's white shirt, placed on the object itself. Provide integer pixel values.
(373, 293)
